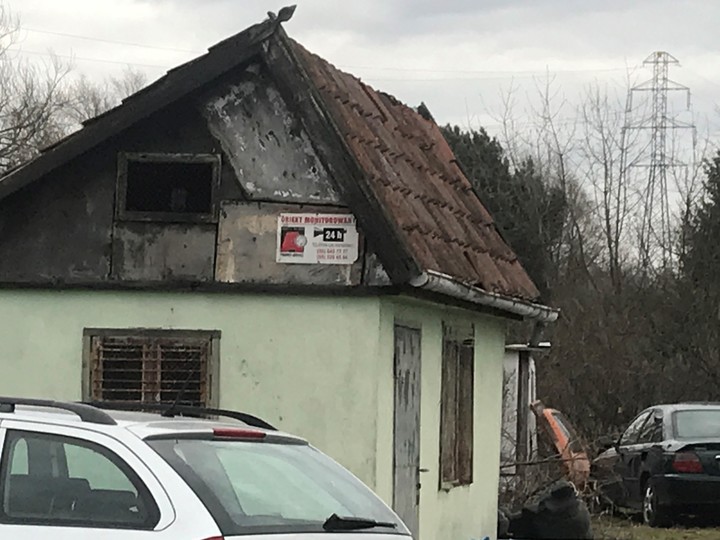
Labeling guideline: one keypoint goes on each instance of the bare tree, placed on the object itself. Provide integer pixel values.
(31, 96)
(89, 98)
(618, 345)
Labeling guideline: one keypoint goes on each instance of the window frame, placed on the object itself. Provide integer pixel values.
(457, 406)
(213, 361)
(122, 214)
(12, 435)
(653, 426)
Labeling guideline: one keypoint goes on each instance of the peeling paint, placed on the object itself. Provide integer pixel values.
(270, 152)
(151, 251)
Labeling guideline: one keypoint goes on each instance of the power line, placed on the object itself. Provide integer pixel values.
(85, 59)
(102, 40)
(488, 71)
(454, 79)
(381, 80)
(373, 68)
(656, 231)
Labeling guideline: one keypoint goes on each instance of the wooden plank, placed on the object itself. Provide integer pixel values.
(523, 409)
(448, 413)
(466, 390)
(163, 251)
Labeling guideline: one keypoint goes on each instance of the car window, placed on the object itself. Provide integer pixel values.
(697, 424)
(54, 480)
(258, 488)
(633, 431)
(19, 463)
(651, 431)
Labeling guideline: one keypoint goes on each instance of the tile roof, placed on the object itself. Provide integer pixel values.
(414, 174)
(404, 160)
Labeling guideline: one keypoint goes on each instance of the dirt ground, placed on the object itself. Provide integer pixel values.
(606, 528)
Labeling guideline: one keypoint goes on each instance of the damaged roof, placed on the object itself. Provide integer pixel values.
(415, 176)
(409, 193)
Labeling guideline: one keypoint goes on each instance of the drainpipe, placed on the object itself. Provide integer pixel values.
(446, 285)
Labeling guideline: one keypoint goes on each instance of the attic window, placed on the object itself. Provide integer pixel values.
(167, 187)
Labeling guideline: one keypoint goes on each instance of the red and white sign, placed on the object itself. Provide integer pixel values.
(317, 239)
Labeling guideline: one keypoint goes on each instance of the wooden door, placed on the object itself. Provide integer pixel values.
(406, 481)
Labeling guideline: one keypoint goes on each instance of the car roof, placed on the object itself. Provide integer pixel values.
(685, 406)
(142, 424)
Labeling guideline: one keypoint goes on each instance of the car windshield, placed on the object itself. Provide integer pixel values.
(262, 487)
(697, 424)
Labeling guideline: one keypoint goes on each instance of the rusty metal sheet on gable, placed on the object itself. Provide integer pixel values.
(267, 147)
(413, 173)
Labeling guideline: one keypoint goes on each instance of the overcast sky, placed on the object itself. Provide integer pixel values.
(456, 55)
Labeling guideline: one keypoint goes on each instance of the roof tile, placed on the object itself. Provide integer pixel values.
(414, 174)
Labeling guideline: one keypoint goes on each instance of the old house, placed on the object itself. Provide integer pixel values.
(277, 237)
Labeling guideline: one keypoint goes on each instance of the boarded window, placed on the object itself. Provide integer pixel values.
(152, 367)
(456, 407)
(175, 187)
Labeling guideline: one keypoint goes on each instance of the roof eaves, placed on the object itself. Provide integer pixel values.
(448, 286)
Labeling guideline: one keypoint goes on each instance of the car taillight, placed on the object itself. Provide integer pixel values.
(238, 433)
(687, 462)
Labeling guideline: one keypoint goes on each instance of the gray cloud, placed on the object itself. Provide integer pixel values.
(454, 54)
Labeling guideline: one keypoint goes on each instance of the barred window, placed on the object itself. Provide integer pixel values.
(456, 406)
(151, 366)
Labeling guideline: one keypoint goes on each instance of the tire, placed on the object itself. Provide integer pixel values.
(653, 514)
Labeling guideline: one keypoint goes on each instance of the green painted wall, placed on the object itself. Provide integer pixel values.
(308, 365)
(318, 367)
(467, 512)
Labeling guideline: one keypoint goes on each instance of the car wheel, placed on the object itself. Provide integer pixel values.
(654, 515)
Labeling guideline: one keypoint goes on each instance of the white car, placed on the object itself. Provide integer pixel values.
(73, 471)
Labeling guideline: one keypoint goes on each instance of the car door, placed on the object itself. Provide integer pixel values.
(72, 483)
(629, 459)
(649, 448)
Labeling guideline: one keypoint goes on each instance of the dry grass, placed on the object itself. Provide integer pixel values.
(606, 528)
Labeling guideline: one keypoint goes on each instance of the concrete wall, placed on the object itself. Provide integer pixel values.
(307, 365)
(468, 512)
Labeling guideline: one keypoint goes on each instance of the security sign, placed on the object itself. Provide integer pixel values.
(317, 239)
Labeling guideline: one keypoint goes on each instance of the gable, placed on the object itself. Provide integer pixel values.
(266, 166)
(287, 130)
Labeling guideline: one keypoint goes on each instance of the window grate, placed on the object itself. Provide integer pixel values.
(150, 369)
